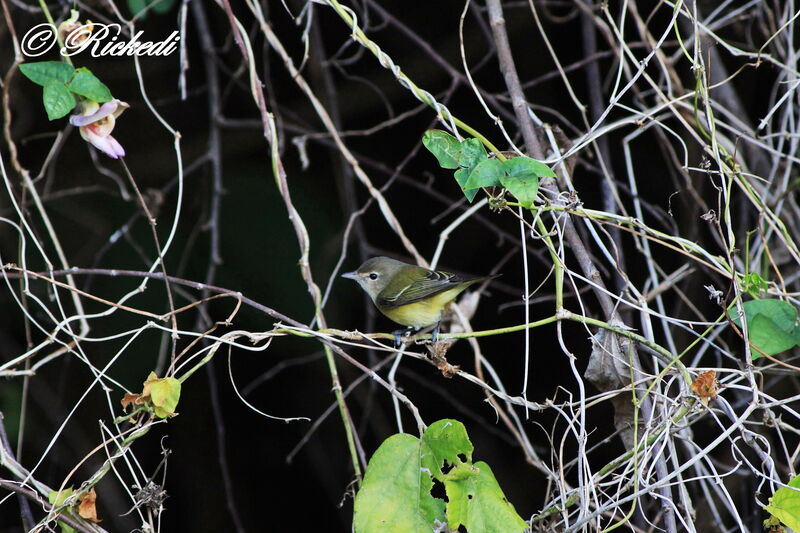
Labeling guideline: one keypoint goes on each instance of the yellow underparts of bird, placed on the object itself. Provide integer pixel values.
(410, 295)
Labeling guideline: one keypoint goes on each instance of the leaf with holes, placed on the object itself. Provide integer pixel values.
(477, 502)
(445, 440)
(395, 494)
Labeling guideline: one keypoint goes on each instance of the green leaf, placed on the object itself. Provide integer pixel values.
(395, 494)
(785, 505)
(471, 153)
(523, 178)
(164, 394)
(443, 146)
(524, 188)
(86, 84)
(446, 440)
(66, 528)
(57, 499)
(771, 325)
(487, 173)
(769, 338)
(462, 176)
(57, 100)
(47, 72)
(162, 6)
(137, 6)
(754, 285)
(477, 502)
(523, 167)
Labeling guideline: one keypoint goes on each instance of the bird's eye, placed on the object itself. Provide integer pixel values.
(373, 276)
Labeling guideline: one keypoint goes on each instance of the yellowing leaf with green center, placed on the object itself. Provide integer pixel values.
(164, 394)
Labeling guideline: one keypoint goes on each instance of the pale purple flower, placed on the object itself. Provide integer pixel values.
(95, 122)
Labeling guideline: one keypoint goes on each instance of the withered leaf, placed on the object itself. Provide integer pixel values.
(131, 399)
(86, 507)
(163, 394)
(705, 386)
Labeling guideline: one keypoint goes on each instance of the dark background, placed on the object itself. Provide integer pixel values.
(259, 254)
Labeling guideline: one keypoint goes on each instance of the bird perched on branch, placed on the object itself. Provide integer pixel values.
(410, 295)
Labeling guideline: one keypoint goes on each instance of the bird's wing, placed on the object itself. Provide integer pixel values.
(432, 283)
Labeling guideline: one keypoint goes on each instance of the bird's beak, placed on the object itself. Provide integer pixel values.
(350, 275)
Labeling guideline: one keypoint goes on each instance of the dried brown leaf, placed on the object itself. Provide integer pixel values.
(705, 386)
(131, 399)
(86, 507)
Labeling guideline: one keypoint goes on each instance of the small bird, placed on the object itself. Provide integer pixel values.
(410, 295)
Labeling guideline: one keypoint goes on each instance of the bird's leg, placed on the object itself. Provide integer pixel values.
(435, 333)
(400, 333)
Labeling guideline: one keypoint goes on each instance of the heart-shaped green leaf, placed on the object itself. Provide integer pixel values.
(477, 502)
(57, 100)
(47, 72)
(472, 153)
(771, 325)
(86, 84)
(395, 494)
(524, 189)
(524, 167)
(487, 173)
(462, 176)
(444, 147)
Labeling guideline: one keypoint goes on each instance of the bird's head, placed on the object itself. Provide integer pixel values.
(375, 274)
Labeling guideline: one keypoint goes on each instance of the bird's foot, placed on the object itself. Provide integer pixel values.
(435, 333)
(400, 333)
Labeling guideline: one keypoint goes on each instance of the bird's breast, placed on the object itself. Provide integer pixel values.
(424, 312)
